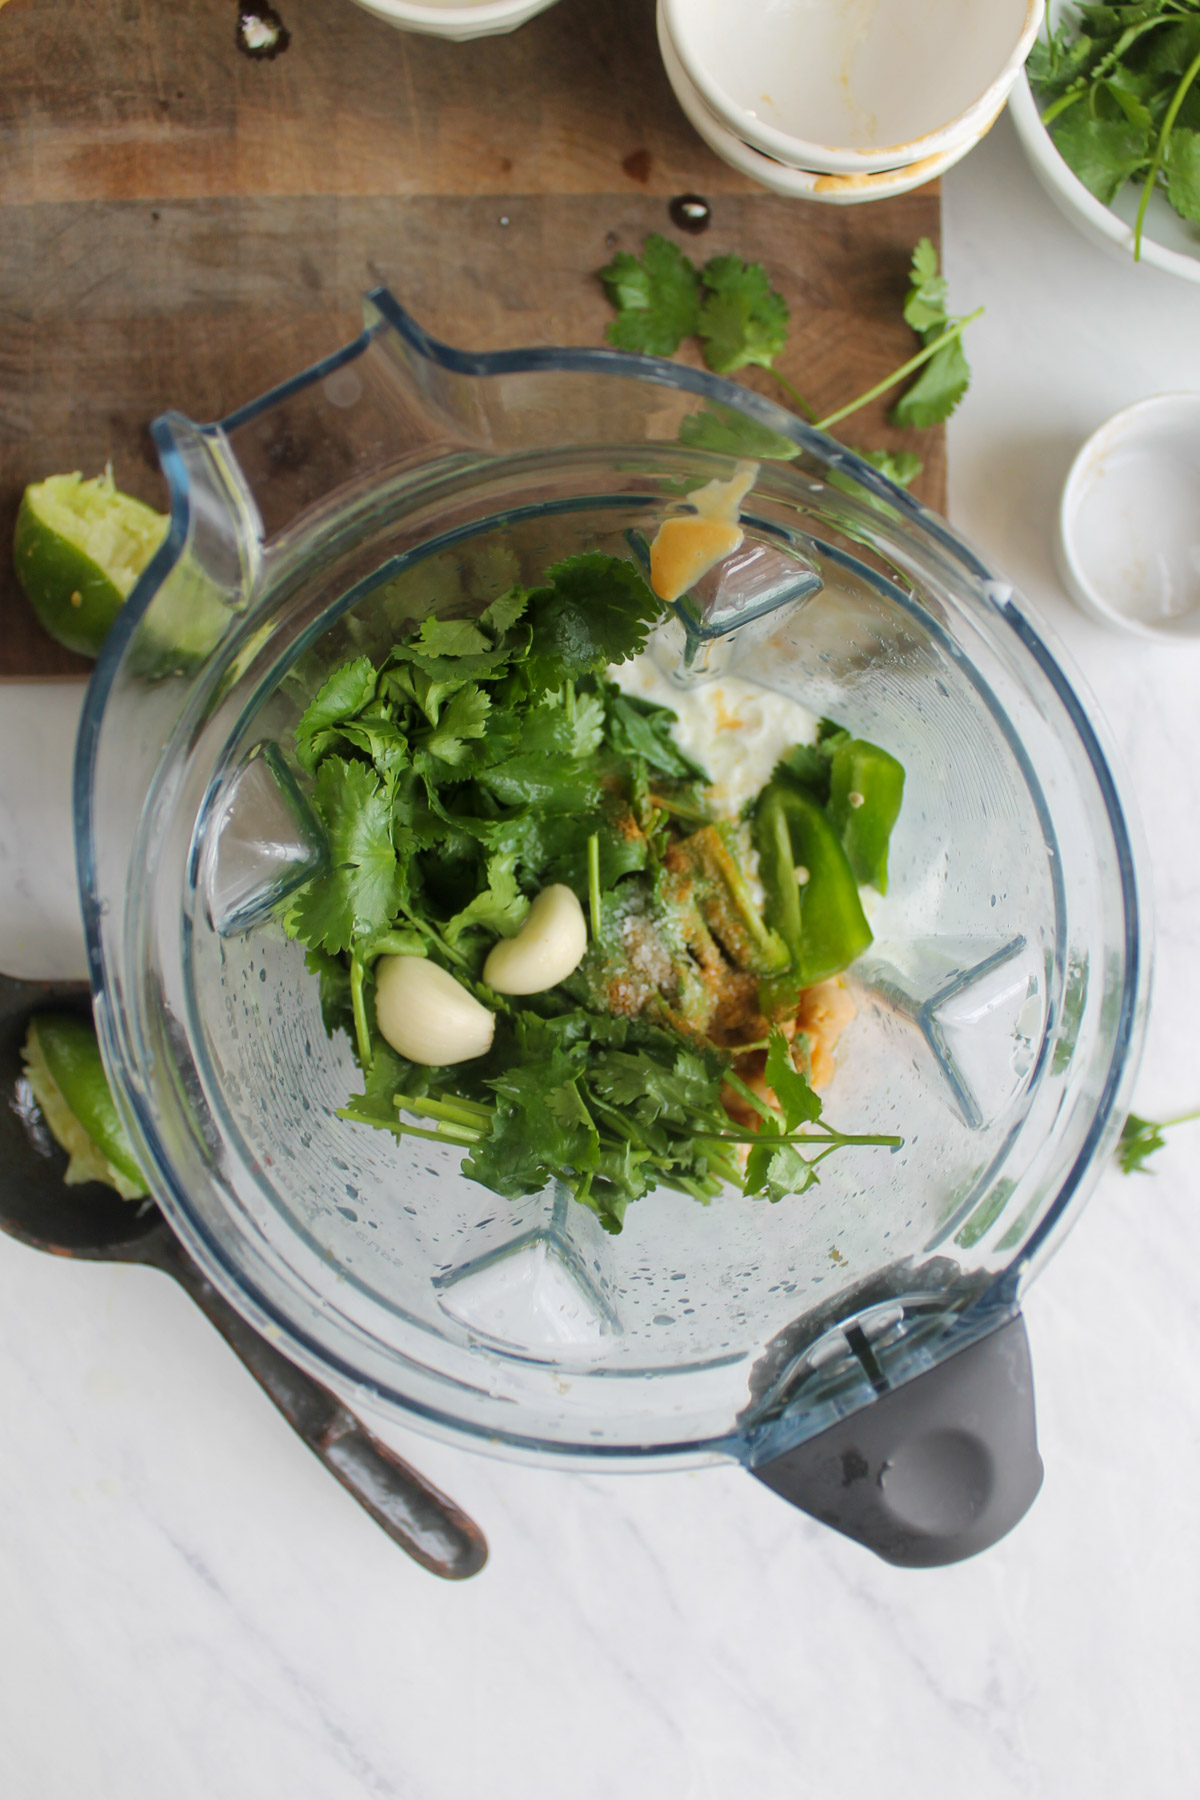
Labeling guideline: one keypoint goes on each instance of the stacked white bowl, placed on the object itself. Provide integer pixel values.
(460, 20)
(842, 101)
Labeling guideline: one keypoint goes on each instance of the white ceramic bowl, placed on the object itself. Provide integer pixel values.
(1168, 242)
(853, 86)
(1128, 546)
(783, 178)
(457, 19)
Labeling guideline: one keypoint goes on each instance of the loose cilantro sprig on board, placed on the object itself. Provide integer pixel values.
(478, 762)
(740, 319)
(1120, 87)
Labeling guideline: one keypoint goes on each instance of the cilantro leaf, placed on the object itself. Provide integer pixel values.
(1104, 153)
(638, 1082)
(541, 1129)
(1054, 64)
(809, 766)
(348, 690)
(900, 466)
(925, 307)
(639, 728)
(594, 610)
(775, 1169)
(380, 739)
(389, 1074)
(743, 319)
(1140, 1139)
(1182, 164)
(504, 612)
(778, 1173)
(1143, 1138)
(657, 298)
(361, 891)
(465, 718)
(451, 637)
(552, 727)
(733, 434)
(945, 378)
(937, 390)
(796, 1099)
(333, 979)
(499, 907)
(556, 784)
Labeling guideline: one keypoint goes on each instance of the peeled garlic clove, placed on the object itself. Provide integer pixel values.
(428, 1016)
(547, 948)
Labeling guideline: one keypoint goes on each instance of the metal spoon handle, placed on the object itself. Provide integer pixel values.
(425, 1524)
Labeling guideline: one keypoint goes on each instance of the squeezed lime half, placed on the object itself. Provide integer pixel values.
(67, 1079)
(79, 548)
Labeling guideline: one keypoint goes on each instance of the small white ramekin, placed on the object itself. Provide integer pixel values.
(459, 19)
(1128, 543)
(783, 178)
(958, 59)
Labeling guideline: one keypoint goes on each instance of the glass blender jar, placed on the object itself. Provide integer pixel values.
(860, 1349)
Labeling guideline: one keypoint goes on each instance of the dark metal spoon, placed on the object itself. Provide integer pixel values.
(91, 1222)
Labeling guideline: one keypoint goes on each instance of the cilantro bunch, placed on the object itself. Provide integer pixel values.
(740, 319)
(480, 761)
(1120, 100)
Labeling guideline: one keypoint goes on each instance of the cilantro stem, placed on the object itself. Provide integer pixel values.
(833, 1141)
(569, 691)
(752, 1099)
(593, 870)
(905, 369)
(1193, 69)
(697, 1191)
(434, 936)
(809, 412)
(392, 943)
(621, 1126)
(358, 1005)
(399, 1129)
(726, 1164)
(1061, 104)
(463, 1113)
(678, 810)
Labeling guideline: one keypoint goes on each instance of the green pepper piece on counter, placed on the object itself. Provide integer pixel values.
(865, 790)
(811, 894)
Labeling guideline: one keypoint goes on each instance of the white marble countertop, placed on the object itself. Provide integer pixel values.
(192, 1608)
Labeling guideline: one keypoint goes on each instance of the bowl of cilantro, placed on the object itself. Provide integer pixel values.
(1108, 114)
(612, 933)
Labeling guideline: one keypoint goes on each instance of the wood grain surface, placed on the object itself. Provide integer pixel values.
(182, 226)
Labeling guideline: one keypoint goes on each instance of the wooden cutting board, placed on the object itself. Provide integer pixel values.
(182, 226)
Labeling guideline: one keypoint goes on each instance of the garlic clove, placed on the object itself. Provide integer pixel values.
(428, 1016)
(548, 947)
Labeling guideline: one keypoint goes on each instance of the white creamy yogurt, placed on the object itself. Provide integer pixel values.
(735, 730)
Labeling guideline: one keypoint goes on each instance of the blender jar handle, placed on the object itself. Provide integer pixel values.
(932, 1470)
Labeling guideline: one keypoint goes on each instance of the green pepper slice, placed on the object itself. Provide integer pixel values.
(811, 894)
(865, 791)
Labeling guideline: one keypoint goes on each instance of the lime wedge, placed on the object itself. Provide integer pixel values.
(66, 1076)
(78, 549)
